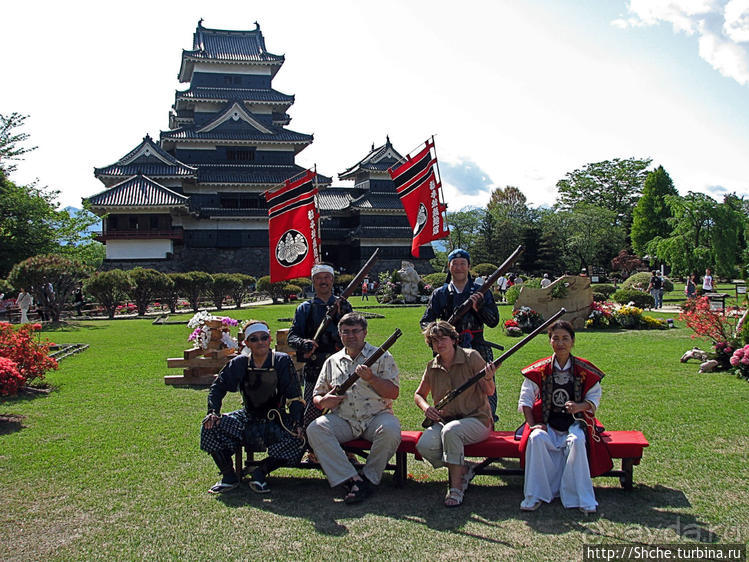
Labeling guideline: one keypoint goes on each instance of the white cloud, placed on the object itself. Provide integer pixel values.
(736, 24)
(722, 27)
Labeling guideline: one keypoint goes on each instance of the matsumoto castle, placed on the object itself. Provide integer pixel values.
(193, 200)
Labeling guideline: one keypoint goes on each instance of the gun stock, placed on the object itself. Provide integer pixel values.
(341, 389)
(454, 393)
(463, 309)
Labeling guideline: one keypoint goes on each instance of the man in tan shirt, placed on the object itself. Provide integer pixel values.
(365, 411)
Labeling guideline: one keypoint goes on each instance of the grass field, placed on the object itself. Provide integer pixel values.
(108, 465)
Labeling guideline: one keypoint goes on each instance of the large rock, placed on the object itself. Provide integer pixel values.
(577, 301)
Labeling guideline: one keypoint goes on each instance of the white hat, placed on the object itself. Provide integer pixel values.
(321, 268)
(254, 328)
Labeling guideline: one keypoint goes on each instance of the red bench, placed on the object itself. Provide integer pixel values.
(624, 445)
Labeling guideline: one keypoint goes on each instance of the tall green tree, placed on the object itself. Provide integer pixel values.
(30, 222)
(687, 248)
(11, 141)
(593, 237)
(63, 273)
(612, 184)
(651, 214)
(464, 227)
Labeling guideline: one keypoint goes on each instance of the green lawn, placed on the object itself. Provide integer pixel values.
(108, 465)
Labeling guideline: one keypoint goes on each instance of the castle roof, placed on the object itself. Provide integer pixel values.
(378, 201)
(252, 173)
(334, 199)
(378, 160)
(208, 93)
(138, 191)
(149, 159)
(236, 123)
(227, 46)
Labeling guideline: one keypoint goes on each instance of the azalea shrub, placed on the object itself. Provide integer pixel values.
(717, 326)
(11, 380)
(739, 360)
(21, 347)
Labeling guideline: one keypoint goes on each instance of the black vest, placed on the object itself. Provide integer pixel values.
(259, 389)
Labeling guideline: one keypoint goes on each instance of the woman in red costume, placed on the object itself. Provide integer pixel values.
(559, 397)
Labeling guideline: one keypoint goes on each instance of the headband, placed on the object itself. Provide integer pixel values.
(254, 328)
(458, 253)
(321, 268)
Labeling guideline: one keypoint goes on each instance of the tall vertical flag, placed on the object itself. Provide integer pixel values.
(420, 191)
(293, 228)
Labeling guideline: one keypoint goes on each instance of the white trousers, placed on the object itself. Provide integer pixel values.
(24, 317)
(326, 433)
(442, 444)
(556, 465)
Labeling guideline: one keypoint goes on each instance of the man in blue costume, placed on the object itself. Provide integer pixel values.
(307, 318)
(267, 382)
(458, 288)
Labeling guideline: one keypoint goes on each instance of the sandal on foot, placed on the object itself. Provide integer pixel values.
(221, 487)
(258, 483)
(259, 487)
(454, 497)
(359, 491)
(468, 476)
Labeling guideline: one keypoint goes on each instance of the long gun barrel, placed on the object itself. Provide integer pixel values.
(341, 389)
(347, 292)
(454, 393)
(463, 309)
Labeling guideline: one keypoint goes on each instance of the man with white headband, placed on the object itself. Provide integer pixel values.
(307, 318)
(268, 383)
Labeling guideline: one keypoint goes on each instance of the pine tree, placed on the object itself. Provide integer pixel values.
(651, 214)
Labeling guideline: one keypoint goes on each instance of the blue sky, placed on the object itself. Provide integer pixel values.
(516, 93)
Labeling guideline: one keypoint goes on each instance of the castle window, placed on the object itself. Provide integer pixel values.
(240, 154)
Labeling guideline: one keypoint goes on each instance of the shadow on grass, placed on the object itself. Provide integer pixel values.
(69, 326)
(10, 423)
(645, 515)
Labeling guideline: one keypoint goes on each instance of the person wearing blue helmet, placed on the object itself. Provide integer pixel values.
(458, 288)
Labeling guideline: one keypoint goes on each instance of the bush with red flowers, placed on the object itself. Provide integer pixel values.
(29, 355)
(10, 379)
(718, 326)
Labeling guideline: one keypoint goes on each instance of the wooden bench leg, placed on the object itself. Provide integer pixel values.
(627, 478)
(238, 459)
(401, 469)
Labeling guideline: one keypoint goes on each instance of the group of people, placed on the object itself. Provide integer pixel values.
(558, 398)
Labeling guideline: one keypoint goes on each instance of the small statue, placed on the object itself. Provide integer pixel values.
(409, 282)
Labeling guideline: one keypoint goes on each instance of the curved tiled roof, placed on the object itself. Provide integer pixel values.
(250, 134)
(207, 93)
(334, 199)
(138, 191)
(378, 201)
(252, 173)
(227, 45)
(378, 159)
(148, 159)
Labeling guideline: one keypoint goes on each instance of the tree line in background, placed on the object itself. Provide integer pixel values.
(608, 215)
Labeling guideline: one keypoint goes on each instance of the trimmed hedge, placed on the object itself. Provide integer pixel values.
(639, 298)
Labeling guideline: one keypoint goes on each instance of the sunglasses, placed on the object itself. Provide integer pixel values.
(255, 339)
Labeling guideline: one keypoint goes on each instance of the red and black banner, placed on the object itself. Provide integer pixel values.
(293, 228)
(420, 192)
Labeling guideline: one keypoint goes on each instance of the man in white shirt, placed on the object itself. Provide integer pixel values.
(365, 411)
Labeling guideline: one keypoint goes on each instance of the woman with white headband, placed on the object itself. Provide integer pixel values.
(267, 382)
